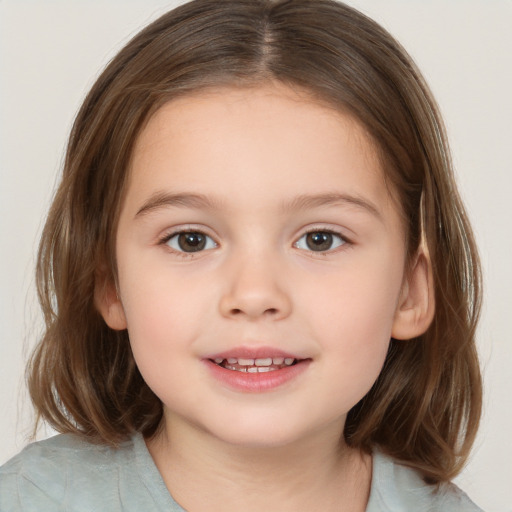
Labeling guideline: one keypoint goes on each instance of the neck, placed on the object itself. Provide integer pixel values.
(317, 473)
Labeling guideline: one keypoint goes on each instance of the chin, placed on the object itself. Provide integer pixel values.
(260, 440)
(258, 433)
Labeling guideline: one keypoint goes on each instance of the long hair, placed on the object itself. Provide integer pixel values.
(424, 408)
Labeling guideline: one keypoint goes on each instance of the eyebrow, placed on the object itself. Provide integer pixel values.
(302, 202)
(183, 200)
(307, 201)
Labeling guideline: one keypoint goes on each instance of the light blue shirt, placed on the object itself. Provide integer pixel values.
(67, 474)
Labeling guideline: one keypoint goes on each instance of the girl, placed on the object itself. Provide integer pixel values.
(259, 284)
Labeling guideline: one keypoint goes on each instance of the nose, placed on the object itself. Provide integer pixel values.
(253, 291)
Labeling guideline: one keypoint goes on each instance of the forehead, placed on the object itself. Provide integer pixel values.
(270, 139)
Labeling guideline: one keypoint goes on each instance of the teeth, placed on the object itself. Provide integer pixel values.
(260, 369)
(263, 362)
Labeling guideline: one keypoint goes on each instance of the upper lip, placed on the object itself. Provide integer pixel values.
(253, 353)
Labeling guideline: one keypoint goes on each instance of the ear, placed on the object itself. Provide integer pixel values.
(108, 303)
(415, 309)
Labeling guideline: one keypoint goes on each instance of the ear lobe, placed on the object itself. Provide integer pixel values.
(416, 307)
(109, 304)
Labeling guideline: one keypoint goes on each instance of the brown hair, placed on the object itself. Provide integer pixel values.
(424, 408)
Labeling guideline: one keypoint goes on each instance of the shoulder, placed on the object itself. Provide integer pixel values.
(64, 471)
(62, 454)
(397, 488)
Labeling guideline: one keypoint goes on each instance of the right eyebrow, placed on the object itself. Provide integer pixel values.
(184, 200)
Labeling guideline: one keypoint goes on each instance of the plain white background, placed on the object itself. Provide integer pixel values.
(50, 53)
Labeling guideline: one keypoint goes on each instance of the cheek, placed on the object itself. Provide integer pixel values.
(354, 335)
(162, 317)
(352, 321)
(160, 335)
(360, 299)
(160, 303)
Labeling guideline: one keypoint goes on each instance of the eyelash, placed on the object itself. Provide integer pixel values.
(168, 237)
(343, 241)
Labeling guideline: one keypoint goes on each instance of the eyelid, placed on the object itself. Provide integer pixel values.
(322, 229)
(173, 232)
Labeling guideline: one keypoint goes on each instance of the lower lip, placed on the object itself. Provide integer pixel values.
(257, 382)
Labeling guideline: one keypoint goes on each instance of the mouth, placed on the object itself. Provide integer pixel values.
(256, 370)
(255, 365)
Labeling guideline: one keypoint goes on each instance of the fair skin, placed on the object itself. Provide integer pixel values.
(248, 173)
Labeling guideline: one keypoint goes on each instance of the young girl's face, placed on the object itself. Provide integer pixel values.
(257, 230)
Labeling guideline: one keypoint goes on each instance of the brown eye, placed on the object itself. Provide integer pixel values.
(320, 241)
(190, 241)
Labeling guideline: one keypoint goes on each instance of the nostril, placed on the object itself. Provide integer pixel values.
(269, 312)
(253, 305)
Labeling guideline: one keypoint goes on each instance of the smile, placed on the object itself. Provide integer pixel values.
(259, 365)
(255, 370)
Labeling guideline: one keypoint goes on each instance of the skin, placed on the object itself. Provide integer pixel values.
(252, 153)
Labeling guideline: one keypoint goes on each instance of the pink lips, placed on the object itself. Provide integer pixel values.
(256, 382)
(252, 353)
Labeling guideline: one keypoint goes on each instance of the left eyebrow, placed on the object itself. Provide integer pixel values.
(181, 200)
(306, 201)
